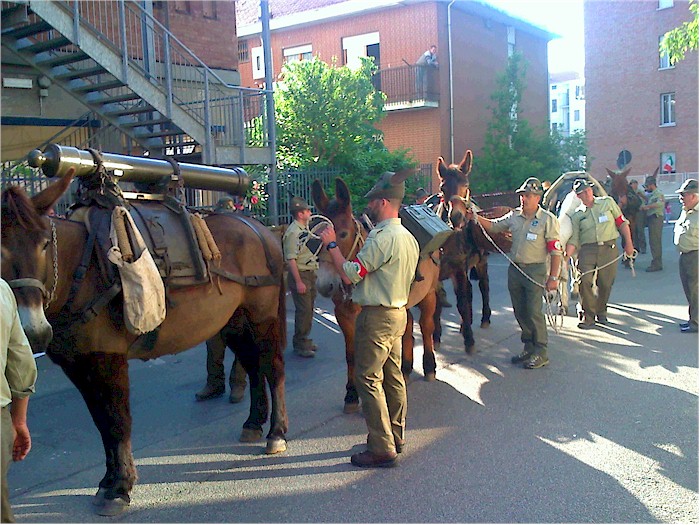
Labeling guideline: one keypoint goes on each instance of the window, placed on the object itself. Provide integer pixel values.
(243, 52)
(579, 93)
(668, 109)
(358, 46)
(298, 53)
(554, 87)
(664, 60)
(554, 127)
(554, 105)
(209, 9)
(256, 55)
(577, 115)
(668, 162)
(665, 4)
(182, 6)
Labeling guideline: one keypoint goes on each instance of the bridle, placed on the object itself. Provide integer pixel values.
(30, 282)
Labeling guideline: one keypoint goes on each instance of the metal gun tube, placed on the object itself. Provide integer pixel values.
(55, 161)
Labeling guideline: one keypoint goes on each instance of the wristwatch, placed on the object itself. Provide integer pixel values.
(332, 245)
(553, 278)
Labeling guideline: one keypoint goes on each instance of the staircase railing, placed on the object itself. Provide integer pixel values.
(143, 43)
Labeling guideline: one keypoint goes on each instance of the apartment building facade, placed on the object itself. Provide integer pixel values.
(474, 41)
(635, 99)
(567, 103)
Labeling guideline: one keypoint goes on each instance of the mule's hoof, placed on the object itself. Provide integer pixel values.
(351, 408)
(436, 346)
(250, 435)
(485, 324)
(275, 446)
(112, 507)
(471, 350)
(98, 500)
(429, 376)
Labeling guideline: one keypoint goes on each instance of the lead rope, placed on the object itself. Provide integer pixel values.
(54, 245)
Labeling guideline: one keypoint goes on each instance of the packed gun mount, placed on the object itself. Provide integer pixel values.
(55, 161)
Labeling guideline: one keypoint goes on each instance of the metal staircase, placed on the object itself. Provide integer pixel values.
(126, 67)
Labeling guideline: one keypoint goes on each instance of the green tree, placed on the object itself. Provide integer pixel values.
(573, 151)
(677, 42)
(326, 116)
(513, 149)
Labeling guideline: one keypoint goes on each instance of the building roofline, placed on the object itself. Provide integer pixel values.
(356, 7)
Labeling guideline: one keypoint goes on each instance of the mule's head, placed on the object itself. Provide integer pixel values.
(339, 211)
(454, 186)
(26, 254)
(619, 186)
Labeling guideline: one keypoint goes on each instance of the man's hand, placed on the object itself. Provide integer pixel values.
(327, 235)
(22, 443)
(301, 287)
(551, 285)
(629, 250)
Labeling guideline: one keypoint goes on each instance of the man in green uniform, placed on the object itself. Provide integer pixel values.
(303, 264)
(383, 271)
(655, 220)
(17, 384)
(595, 226)
(639, 235)
(216, 350)
(685, 237)
(535, 235)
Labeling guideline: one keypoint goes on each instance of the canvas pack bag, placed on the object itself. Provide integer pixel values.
(142, 286)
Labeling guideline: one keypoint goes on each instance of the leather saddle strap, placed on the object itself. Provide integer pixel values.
(247, 280)
(268, 256)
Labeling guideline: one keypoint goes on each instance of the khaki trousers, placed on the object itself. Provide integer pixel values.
(303, 309)
(526, 297)
(656, 226)
(7, 436)
(592, 256)
(378, 376)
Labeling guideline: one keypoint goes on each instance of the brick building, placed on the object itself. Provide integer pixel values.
(473, 39)
(635, 99)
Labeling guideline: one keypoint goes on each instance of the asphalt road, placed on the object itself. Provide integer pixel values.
(608, 432)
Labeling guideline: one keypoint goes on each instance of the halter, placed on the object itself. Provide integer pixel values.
(30, 282)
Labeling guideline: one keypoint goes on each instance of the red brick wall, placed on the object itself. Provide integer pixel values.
(624, 85)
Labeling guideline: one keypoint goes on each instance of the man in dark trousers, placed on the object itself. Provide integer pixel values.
(382, 272)
(685, 237)
(655, 220)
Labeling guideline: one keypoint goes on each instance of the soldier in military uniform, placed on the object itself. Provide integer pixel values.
(216, 350)
(639, 235)
(595, 226)
(535, 235)
(302, 264)
(383, 271)
(655, 220)
(685, 237)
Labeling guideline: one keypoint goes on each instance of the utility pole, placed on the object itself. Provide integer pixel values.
(270, 104)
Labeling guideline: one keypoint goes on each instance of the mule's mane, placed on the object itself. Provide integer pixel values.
(17, 208)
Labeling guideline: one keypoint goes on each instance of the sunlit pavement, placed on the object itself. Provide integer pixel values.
(607, 432)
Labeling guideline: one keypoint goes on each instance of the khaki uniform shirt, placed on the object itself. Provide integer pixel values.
(294, 242)
(685, 232)
(657, 199)
(595, 224)
(389, 257)
(16, 359)
(530, 236)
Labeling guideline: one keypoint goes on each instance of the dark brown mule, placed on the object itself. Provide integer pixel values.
(465, 254)
(93, 354)
(350, 237)
(628, 200)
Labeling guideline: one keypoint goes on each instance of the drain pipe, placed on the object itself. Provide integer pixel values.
(452, 98)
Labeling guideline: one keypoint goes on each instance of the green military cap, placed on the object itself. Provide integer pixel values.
(650, 180)
(298, 204)
(389, 186)
(689, 186)
(420, 193)
(581, 185)
(531, 185)
(225, 203)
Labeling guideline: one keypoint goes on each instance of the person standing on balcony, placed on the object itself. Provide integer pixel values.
(426, 60)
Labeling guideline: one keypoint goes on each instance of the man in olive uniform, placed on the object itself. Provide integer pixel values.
(655, 220)
(685, 237)
(639, 234)
(216, 350)
(535, 235)
(383, 271)
(303, 264)
(595, 226)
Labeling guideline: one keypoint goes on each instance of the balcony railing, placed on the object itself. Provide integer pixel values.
(408, 87)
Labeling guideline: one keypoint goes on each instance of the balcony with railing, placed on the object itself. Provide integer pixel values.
(408, 87)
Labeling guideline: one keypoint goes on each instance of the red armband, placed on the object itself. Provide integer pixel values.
(361, 270)
(553, 246)
(620, 220)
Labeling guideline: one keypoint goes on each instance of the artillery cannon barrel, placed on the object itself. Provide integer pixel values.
(55, 161)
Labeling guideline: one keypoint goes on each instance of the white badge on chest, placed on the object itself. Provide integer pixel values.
(603, 218)
(531, 236)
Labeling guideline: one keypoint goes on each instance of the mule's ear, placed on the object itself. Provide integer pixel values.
(319, 196)
(342, 193)
(656, 171)
(466, 165)
(610, 172)
(626, 171)
(441, 167)
(45, 199)
(401, 176)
